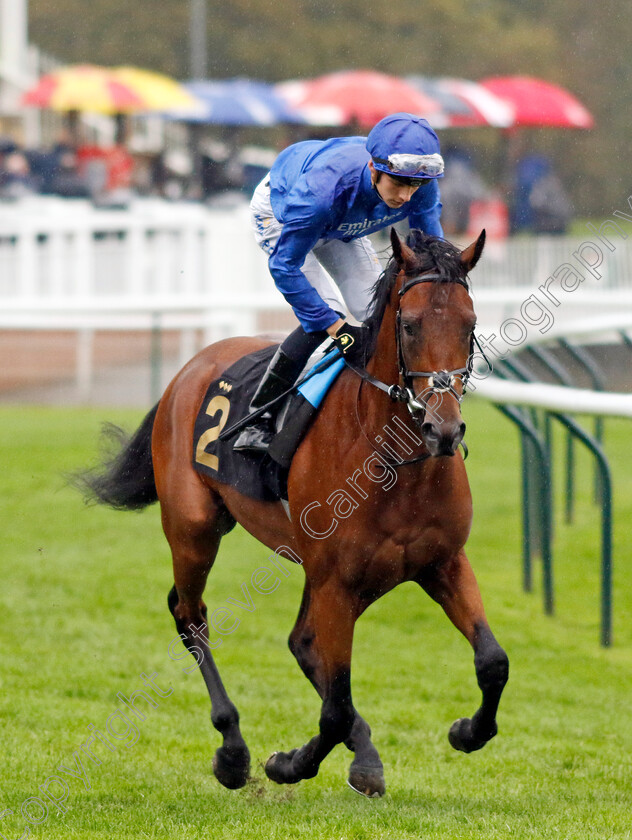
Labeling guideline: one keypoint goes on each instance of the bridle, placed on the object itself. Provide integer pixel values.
(439, 381)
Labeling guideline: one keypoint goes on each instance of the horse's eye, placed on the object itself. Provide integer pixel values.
(407, 329)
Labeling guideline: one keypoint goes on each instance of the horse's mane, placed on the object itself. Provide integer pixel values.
(432, 253)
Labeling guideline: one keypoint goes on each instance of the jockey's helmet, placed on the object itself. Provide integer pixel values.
(405, 146)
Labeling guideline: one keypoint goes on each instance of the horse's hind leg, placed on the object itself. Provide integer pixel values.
(453, 585)
(194, 540)
(366, 774)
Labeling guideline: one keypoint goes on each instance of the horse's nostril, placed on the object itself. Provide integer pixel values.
(428, 431)
(441, 440)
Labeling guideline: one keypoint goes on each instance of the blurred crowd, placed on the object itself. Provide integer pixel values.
(112, 175)
(63, 170)
(533, 199)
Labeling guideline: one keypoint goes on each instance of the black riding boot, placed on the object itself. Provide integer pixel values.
(281, 374)
(283, 370)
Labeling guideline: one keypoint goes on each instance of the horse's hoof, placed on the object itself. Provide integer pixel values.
(462, 738)
(231, 766)
(278, 768)
(367, 781)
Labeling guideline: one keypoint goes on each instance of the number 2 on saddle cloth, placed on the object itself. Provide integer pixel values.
(260, 475)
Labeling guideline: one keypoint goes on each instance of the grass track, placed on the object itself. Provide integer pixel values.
(84, 614)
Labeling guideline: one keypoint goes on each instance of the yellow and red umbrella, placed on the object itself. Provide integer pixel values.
(109, 90)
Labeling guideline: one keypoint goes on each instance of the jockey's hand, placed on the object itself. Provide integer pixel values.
(351, 342)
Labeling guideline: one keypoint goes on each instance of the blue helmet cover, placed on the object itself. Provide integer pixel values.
(402, 134)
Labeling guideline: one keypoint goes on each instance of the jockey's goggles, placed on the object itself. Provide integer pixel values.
(409, 182)
(414, 168)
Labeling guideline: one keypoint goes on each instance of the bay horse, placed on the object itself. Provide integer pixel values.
(421, 330)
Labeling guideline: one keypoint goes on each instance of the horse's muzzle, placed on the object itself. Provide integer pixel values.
(442, 438)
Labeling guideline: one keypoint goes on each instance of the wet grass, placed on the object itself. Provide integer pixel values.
(84, 615)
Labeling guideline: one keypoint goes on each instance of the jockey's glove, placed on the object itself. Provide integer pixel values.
(351, 341)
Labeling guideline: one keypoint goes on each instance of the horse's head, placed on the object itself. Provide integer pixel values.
(434, 324)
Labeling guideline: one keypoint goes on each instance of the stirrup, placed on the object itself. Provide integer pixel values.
(255, 438)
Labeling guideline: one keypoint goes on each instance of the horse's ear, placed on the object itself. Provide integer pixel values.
(404, 256)
(471, 255)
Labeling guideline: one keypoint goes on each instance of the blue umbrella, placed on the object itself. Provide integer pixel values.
(239, 102)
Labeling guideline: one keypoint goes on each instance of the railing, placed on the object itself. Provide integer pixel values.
(66, 265)
(533, 406)
(55, 249)
(62, 260)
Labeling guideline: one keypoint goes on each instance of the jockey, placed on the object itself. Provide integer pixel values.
(312, 213)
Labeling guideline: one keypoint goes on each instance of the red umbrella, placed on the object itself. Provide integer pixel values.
(360, 96)
(465, 103)
(539, 103)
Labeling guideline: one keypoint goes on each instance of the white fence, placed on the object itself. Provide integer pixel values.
(555, 397)
(54, 251)
(67, 265)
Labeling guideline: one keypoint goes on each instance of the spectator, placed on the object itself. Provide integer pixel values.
(16, 179)
(461, 186)
(540, 203)
(66, 180)
(550, 205)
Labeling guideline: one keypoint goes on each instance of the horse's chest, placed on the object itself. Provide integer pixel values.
(397, 557)
(414, 536)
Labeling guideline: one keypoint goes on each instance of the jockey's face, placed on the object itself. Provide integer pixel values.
(393, 191)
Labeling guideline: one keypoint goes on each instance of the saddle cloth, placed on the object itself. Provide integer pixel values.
(259, 475)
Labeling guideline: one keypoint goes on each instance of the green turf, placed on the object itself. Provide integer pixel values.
(84, 614)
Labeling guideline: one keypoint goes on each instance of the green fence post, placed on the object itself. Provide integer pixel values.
(605, 484)
(560, 373)
(544, 496)
(597, 378)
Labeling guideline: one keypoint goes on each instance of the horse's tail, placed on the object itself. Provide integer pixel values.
(125, 479)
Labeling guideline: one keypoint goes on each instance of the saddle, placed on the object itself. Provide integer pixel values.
(225, 410)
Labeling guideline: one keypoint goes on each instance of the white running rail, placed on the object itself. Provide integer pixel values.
(66, 265)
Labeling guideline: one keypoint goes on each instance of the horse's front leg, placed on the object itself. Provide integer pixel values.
(366, 774)
(331, 615)
(453, 585)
